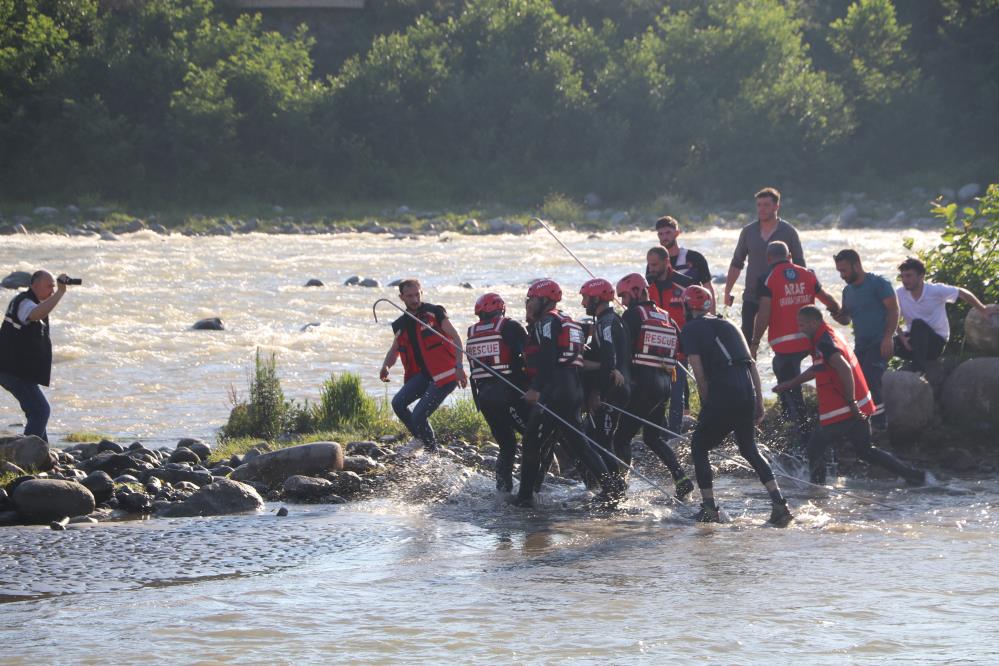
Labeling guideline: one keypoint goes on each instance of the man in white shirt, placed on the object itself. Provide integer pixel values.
(923, 307)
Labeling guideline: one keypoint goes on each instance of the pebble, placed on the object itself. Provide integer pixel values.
(282, 512)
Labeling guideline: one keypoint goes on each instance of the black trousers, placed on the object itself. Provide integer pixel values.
(749, 310)
(926, 345)
(507, 414)
(649, 397)
(788, 366)
(603, 422)
(858, 433)
(717, 419)
(565, 398)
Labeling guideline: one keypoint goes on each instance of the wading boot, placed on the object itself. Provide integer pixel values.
(780, 516)
(684, 487)
(708, 513)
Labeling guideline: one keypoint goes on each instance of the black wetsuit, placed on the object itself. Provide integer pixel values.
(561, 391)
(610, 346)
(731, 400)
(502, 405)
(650, 393)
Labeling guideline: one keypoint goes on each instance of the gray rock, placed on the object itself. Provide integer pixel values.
(47, 211)
(515, 228)
(209, 324)
(59, 525)
(203, 450)
(9, 518)
(40, 501)
(971, 393)
(108, 445)
(160, 229)
(282, 512)
(185, 455)
(981, 333)
(497, 225)
(217, 499)
(140, 503)
(360, 464)
(83, 520)
(909, 404)
(306, 487)
(370, 449)
(466, 285)
(352, 280)
(848, 215)
(369, 282)
(347, 483)
(306, 459)
(592, 200)
(314, 282)
(134, 226)
(470, 224)
(108, 236)
(100, 485)
(115, 464)
(17, 280)
(968, 192)
(126, 478)
(27, 452)
(10, 468)
(72, 210)
(177, 475)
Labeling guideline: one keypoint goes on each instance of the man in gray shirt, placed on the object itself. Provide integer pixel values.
(753, 243)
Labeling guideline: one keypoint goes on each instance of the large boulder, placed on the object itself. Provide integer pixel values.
(909, 403)
(44, 500)
(981, 333)
(209, 324)
(305, 459)
(17, 280)
(217, 499)
(26, 452)
(306, 487)
(100, 486)
(971, 393)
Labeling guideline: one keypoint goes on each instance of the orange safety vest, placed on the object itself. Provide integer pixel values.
(832, 405)
(655, 342)
(791, 288)
(485, 344)
(439, 356)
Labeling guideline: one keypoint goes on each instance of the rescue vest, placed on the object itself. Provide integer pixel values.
(569, 342)
(439, 357)
(832, 405)
(670, 300)
(486, 345)
(791, 288)
(655, 342)
(25, 348)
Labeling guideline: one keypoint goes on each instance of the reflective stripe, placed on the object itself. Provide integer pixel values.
(843, 410)
(788, 338)
(724, 350)
(13, 323)
(878, 409)
(446, 373)
(653, 361)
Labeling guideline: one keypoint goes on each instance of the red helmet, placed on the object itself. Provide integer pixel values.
(490, 302)
(697, 297)
(545, 288)
(631, 284)
(598, 288)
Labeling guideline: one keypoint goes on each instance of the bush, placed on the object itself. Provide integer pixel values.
(460, 420)
(344, 404)
(264, 415)
(967, 256)
(560, 208)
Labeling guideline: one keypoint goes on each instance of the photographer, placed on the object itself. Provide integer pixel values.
(26, 349)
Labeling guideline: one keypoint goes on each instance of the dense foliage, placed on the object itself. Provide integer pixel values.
(167, 100)
(967, 256)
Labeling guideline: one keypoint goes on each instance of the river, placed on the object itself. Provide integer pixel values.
(460, 577)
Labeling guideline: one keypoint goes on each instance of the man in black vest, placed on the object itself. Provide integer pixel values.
(731, 400)
(26, 349)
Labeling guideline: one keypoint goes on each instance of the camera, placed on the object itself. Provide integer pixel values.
(71, 281)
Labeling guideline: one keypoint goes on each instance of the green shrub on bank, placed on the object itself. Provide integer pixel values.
(264, 414)
(460, 420)
(967, 256)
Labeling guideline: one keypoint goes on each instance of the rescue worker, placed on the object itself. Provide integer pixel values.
(432, 367)
(26, 348)
(654, 344)
(845, 403)
(666, 291)
(606, 370)
(554, 356)
(731, 400)
(497, 342)
(781, 292)
(685, 261)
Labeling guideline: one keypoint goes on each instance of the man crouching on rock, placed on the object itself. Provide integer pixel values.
(432, 367)
(26, 349)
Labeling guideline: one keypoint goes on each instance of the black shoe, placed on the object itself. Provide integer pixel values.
(780, 516)
(524, 502)
(708, 513)
(504, 485)
(918, 479)
(683, 488)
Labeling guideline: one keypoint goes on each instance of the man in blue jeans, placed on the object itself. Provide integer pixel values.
(869, 302)
(26, 349)
(432, 364)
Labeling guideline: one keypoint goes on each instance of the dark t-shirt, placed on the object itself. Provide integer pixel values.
(827, 348)
(694, 265)
(409, 325)
(701, 337)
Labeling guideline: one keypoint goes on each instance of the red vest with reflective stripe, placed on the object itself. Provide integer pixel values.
(485, 344)
(670, 300)
(569, 343)
(438, 356)
(791, 287)
(655, 343)
(832, 404)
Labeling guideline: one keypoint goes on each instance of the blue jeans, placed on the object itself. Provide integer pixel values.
(430, 396)
(677, 398)
(32, 401)
(873, 365)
